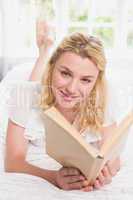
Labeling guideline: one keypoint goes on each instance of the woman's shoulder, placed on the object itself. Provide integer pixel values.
(24, 85)
(24, 109)
(23, 100)
(23, 93)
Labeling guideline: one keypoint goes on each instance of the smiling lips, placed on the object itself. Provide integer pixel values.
(66, 96)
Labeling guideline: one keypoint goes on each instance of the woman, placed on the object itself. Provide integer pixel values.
(74, 82)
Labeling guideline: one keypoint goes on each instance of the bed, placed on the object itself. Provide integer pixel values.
(15, 186)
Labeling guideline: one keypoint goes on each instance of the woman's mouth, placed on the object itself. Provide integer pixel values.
(66, 96)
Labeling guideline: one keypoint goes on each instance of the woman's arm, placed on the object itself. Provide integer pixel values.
(38, 69)
(44, 43)
(15, 155)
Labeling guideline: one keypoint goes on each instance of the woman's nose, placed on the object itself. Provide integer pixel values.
(72, 86)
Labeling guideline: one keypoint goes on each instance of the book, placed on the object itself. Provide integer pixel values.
(66, 145)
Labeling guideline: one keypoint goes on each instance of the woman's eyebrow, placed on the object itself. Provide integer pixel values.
(84, 76)
(62, 66)
(88, 76)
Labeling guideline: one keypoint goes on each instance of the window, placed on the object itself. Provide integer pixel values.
(78, 15)
(111, 21)
(78, 12)
(104, 18)
(94, 18)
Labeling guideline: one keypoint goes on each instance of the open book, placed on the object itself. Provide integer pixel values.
(69, 148)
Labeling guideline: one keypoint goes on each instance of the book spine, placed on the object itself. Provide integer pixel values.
(96, 169)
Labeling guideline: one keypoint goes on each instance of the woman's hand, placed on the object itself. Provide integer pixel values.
(110, 169)
(44, 39)
(105, 177)
(69, 178)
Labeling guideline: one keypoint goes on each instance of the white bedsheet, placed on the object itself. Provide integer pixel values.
(15, 186)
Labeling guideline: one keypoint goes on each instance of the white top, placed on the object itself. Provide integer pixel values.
(24, 111)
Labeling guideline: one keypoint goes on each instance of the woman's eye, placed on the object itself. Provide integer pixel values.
(65, 73)
(86, 80)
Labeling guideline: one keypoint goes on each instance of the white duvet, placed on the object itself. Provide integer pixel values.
(15, 186)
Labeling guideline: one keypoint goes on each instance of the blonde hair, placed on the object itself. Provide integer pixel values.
(92, 110)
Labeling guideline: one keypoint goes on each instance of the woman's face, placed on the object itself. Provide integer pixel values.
(73, 79)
